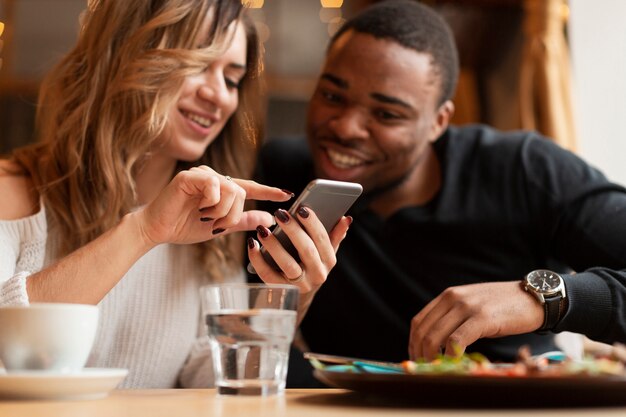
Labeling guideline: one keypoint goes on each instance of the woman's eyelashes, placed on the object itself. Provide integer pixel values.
(232, 84)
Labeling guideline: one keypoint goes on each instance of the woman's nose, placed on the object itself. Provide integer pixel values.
(213, 89)
(349, 124)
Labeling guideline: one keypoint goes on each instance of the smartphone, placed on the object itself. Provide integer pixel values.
(330, 200)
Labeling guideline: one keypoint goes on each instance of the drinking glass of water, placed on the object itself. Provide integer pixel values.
(250, 329)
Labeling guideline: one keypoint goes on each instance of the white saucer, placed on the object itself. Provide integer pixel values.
(88, 384)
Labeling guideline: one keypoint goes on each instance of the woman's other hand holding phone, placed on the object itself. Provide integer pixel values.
(316, 248)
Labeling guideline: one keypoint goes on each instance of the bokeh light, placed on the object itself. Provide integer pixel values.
(1, 42)
(332, 3)
(253, 4)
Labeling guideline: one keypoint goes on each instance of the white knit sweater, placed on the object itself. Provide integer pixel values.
(149, 322)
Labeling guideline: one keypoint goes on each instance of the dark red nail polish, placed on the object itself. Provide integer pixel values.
(288, 192)
(262, 231)
(251, 244)
(218, 231)
(206, 219)
(303, 212)
(282, 215)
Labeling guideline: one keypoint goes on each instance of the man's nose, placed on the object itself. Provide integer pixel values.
(350, 124)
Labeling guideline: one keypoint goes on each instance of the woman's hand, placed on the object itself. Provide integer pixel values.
(315, 246)
(199, 204)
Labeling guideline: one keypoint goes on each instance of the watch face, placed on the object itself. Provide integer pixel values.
(544, 281)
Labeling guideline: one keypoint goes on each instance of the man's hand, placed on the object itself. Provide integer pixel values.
(461, 315)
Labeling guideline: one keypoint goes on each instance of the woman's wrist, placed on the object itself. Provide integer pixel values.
(304, 304)
(132, 224)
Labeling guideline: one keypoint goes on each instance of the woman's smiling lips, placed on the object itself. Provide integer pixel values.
(200, 123)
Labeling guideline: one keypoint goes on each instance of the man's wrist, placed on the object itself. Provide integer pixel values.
(548, 288)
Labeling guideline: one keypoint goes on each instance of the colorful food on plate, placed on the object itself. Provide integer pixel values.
(475, 364)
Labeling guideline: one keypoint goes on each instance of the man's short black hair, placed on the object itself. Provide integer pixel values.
(413, 26)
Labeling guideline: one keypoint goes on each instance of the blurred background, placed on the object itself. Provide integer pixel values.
(556, 66)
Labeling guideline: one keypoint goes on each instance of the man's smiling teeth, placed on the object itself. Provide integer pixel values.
(202, 121)
(341, 160)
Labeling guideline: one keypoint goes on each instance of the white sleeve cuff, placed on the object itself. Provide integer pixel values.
(13, 291)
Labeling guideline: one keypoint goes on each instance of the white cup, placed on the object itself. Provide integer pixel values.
(46, 336)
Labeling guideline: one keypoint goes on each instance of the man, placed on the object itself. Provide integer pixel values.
(453, 218)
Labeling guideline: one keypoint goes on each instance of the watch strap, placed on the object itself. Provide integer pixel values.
(552, 310)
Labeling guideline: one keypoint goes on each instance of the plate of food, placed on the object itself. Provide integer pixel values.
(472, 380)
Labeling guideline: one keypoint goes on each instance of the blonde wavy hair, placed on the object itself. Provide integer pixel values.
(105, 103)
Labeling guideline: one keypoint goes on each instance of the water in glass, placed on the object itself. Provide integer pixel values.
(253, 347)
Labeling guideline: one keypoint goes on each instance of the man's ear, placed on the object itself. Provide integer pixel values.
(444, 114)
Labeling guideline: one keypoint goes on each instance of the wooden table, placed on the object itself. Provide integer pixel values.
(295, 403)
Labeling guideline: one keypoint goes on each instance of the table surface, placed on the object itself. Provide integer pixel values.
(294, 403)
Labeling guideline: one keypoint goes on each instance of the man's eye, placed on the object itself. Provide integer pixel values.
(331, 97)
(387, 115)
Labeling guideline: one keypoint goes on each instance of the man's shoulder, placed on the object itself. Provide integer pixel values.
(484, 136)
(521, 153)
(482, 142)
(466, 147)
(528, 146)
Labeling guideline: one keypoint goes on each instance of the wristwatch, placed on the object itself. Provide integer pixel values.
(549, 289)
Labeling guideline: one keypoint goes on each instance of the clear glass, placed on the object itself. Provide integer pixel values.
(250, 329)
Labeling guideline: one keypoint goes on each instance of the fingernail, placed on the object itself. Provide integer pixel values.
(350, 220)
(303, 212)
(203, 209)
(218, 231)
(288, 192)
(282, 215)
(262, 231)
(251, 243)
(206, 219)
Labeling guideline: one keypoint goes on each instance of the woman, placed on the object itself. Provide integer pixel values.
(154, 92)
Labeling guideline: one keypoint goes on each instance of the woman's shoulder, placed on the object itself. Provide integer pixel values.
(24, 199)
